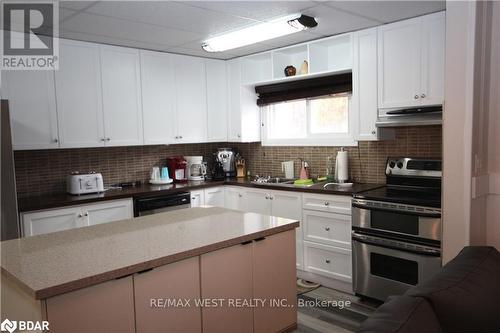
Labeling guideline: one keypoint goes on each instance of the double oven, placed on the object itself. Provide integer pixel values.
(396, 231)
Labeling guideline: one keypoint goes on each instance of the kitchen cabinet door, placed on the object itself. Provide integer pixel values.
(234, 283)
(364, 74)
(216, 100)
(274, 279)
(197, 198)
(258, 201)
(43, 222)
(32, 106)
(158, 97)
(244, 114)
(191, 99)
(121, 96)
(106, 307)
(214, 196)
(433, 55)
(176, 281)
(235, 198)
(289, 205)
(79, 95)
(399, 48)
(109, 211)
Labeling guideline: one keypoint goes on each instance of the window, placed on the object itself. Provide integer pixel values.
(313, 121)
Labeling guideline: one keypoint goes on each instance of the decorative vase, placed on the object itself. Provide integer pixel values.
(304, 68)
(290, 71)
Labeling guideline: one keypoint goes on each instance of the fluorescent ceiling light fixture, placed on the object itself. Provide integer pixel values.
(259, 32)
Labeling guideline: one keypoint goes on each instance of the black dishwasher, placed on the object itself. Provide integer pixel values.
(161, 203)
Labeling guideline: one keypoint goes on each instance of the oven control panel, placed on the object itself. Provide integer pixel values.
(413, 167)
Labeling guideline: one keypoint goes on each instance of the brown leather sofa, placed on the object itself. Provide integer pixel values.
(463, 298)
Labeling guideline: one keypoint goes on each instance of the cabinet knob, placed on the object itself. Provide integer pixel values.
(327, 203)
(327, 261)
(239, 135)
(271, 197)
(423, 95)
(80, 215)
(374, 132)
(103, 139)
(327, 228)
(56, 140)
(416, 96)
(267, 196)
(86, 214)
(108, 139)
(240, 195)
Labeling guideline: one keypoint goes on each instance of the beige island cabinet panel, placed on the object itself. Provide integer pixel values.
(177, 281)
(106, 307)
(274, 280)
(227, 274)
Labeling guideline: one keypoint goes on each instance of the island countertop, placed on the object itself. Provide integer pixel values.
(59, 262)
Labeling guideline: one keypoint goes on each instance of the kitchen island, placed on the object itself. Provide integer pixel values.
(209, 269)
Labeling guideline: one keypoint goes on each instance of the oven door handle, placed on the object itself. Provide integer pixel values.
(436, 215)
(403, 246)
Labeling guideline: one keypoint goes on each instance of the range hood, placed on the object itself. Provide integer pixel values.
(420, 116)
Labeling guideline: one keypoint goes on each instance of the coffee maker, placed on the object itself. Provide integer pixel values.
(177, 168)
(226, 157)
(196, 168)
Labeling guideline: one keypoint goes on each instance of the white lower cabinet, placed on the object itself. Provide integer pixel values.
(214, 196)
(330, 261)
(327, 228)
(52, 220)
(197, 198)
(235, 198)
(258, 201)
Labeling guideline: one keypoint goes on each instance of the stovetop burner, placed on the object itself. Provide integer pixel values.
(406, 195)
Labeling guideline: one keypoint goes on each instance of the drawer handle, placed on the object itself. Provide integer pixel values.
(259, 239)
(246, 242)
(327, 228)
(327, 203)
(327, 261)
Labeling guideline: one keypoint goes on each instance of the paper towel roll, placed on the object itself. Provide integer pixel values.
(342, 166)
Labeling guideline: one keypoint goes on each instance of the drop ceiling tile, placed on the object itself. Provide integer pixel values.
(122, 29)
(172, 15)
(256, 10)
(388, 11)
(76, 5)
(332, 21)
(296, 38)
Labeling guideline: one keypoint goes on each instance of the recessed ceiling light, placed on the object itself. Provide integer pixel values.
(259, 32)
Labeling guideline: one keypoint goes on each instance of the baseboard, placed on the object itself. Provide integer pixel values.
(289, 329)
(327, 282)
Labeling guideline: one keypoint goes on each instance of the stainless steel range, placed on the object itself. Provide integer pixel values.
(396, 229)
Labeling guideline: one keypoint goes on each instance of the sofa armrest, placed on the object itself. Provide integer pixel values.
(402, 314)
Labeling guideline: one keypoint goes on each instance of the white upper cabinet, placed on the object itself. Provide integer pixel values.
(433, 55)
(158, 97)
(32, 106)
(78, 95)
(191, 99)
(217, 100)
(121, 96)
(364, 76)
(411, 62)
(244, 114)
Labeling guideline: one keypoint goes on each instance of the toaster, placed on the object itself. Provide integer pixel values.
(84, 183)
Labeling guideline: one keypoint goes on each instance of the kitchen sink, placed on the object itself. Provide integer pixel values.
(273, 180)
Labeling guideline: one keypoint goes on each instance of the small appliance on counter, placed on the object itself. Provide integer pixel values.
(197, 170)
(226, 157)
(218, 172)
(177, 167)
(160, 177)
(86, 183)
(240, 166)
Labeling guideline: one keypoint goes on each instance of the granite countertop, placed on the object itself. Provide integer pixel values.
(32, 203)
(59, 262)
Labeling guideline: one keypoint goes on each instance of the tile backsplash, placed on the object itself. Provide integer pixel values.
(44, 171)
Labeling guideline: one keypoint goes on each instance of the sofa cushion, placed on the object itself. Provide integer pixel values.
(402, 314)
(465, 294)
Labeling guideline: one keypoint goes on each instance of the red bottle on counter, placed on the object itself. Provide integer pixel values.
(177, 168)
